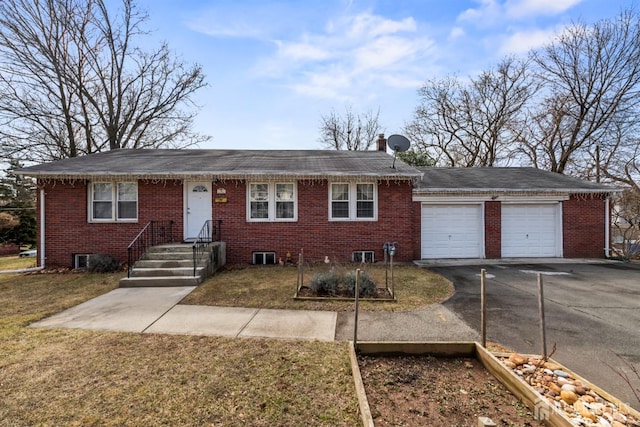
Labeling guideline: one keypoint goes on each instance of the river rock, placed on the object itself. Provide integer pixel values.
(509, 364)
(518, 359)
(569, 397)
(617, 424)
(569, 387)
(604, 423)
(555, 387)
(584, 412)
(621, 418)
(562, 381)
(560, 373)
(552, 366)
(597, 408)
(580, 390)
(587, 398)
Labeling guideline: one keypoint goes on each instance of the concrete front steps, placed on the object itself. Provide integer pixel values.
(166, 265)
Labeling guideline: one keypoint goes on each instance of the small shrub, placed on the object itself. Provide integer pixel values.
(324, 283)
(366, 287)
(101, 263)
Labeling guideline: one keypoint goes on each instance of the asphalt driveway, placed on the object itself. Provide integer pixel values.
(592, 314)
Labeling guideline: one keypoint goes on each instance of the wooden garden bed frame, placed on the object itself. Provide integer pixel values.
(540, 406)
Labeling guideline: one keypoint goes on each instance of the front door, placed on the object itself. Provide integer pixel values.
(197, 208)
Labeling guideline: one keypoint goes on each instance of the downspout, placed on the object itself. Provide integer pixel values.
(607, 228)
(42, 228)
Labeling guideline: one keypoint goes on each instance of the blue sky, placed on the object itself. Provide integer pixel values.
(275, 67)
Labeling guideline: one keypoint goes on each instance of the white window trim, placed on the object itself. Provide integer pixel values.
(114, 202)
(353, 203)
(272, 202)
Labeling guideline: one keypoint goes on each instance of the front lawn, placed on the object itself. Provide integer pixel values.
(274, 287)
(16, 263)
(74, 377)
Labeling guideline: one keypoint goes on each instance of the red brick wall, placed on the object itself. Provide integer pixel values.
(493, 229)
(583, 222)
(67, 231)
(313, 231)
(417, 230)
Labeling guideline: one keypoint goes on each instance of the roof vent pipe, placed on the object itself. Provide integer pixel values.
(382, 143)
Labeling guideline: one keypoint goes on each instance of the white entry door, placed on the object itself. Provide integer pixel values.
(197, 208)
(452, 231)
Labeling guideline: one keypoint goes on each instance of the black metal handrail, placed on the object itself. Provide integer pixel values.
(210, 232)
(154, 233)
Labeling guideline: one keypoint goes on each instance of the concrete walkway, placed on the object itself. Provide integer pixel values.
(156, 310)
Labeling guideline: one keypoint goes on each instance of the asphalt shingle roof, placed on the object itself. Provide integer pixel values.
(300, 164)
(487, 179)
(169, 163)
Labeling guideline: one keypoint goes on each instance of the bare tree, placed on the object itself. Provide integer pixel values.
(625, 220)
(474, 123)
(351, 131)
(73, 82)
(590, 77)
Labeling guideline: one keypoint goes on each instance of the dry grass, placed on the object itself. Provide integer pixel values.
(274, 287)
(16, 263)
(70, 377)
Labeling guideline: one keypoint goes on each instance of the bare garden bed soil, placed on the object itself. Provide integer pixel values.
(437, 391)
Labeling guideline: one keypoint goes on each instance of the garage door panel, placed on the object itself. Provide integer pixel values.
(530, 230)
(451, 231)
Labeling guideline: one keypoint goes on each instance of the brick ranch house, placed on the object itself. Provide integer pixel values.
(341, 204)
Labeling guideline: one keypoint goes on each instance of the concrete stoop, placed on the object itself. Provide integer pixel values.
(166, 266)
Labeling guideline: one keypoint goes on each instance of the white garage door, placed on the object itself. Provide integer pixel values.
(531, 230)
(452, 231)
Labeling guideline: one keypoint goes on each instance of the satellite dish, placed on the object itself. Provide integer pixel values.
(398, 143)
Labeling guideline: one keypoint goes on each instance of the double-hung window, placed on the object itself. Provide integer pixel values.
(269, 201)
(353, 201)
(113, 201)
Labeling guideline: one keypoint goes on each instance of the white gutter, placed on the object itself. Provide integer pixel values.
(42, 229)
(607, 228)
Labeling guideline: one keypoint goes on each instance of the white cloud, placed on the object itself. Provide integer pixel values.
(384, 52)
(487, 13)
(366, 25)
(260, 20)
(522, 41)
(351, 55)
(525, 8)
(231, 29)
(494, 12)
(456, 33)
(303, 51)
